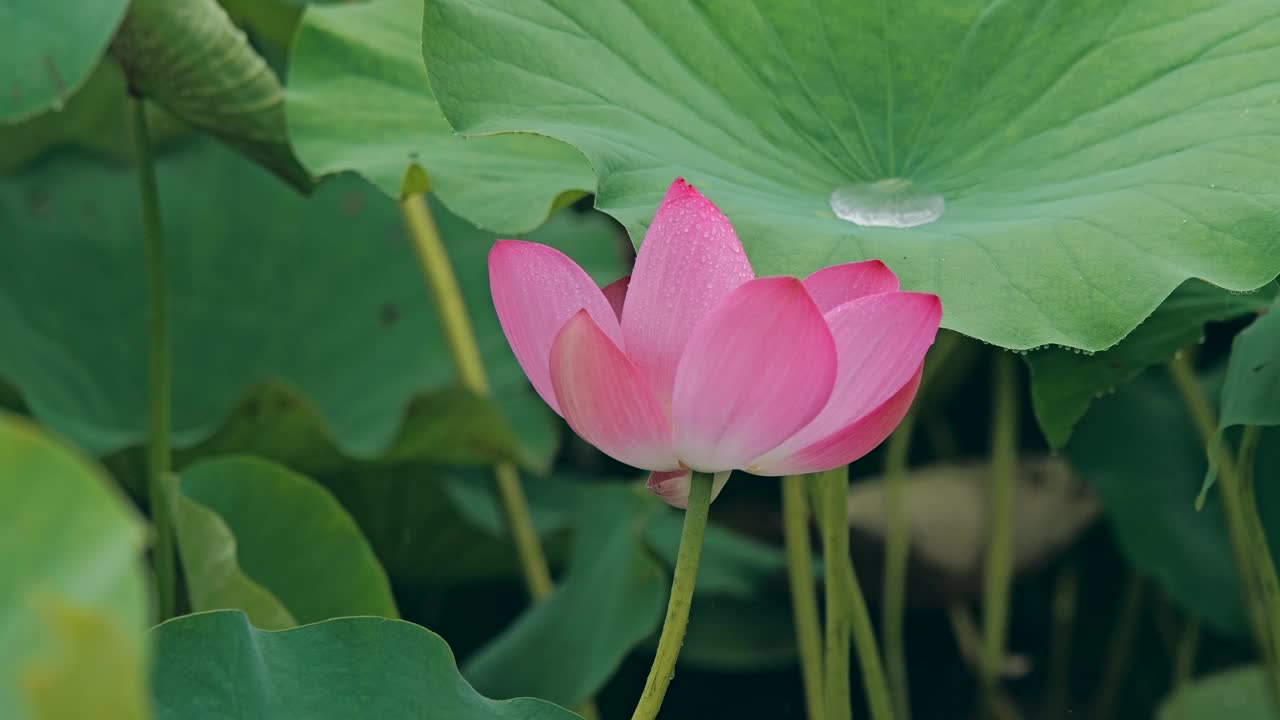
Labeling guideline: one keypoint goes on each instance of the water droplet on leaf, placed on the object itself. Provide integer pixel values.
(896, 202)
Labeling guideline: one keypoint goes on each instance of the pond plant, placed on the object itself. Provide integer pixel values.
(385, 358)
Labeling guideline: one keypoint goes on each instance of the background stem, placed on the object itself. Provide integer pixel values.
(456, 324)
(159, 370)
(1259, 585)
(835, 553)
(897, 547)
(682, 586)
(1120, 650)
(864, 644)
(804, 599)
(1064, 619)
(998, 568)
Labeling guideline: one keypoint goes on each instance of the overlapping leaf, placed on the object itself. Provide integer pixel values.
(1251, 391)
(358, 99)
(256, 537)
(48, 50)
(1064, 382)
(1091, 155)
(338, 669)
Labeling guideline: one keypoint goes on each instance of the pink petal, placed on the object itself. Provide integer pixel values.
(689, 260)
(848, 443)
(605, 399)
(673, 486)
(881, 341)
(536, 289)
(616, 293)
(758, 368)
(838, 284)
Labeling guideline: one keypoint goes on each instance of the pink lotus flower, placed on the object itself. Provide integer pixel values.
(694, 363)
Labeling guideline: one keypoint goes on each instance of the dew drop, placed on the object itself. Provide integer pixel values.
(896, 202)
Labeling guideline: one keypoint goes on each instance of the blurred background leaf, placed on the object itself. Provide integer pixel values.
(73, 602)
(1240, 693)
(1143, 455)
(610, 598)
(247, 527)
(321, 296)
(49, 50)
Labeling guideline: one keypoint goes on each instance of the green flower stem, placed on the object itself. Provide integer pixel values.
(1065, 593)
(1259, 585)
(159, 371)
(1115, 669)
(804, 600)
(682, 584)
(897, 550)
(998, 568)
(833, 520)
(1184, 659)
(897, 547)
(1266, 585)
(447, 297)
(864, 644)
(834, 487)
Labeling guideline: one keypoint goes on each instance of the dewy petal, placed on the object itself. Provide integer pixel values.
(605, 399)
(836, 285)
(881, 341)
(689, 260)
(758, 368)
(616, 293)
(846, 444)
(536, 289)
(673, 486)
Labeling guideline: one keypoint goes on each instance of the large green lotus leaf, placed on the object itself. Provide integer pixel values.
(73, 603)
(251, 532)
(1141, 452)
(48, 50)
(321, 294)
(612, 597)
(1251, 391)
(217, 665)
(358, 99)
(1238, 693)
(1091, 155)
(1064, 382)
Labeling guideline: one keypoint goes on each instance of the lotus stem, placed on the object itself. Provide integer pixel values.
(682, 585)
(1259, 585)
(804, 599)
(897, 547)
(834, 486)
(998, 568)
(461, 339)
(1120, 650)
(1065, 595)
(159, 370)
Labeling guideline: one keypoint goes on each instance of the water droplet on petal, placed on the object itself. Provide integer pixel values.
(896, 202)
